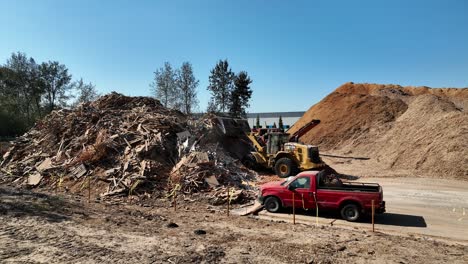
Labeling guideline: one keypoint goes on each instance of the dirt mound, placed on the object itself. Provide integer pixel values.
(120, 145)
(418, 129)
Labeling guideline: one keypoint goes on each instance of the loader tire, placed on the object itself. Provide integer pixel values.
(285, 167)
(272, 204)
(250, 162)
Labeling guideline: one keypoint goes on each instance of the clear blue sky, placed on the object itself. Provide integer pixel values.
(295, 51)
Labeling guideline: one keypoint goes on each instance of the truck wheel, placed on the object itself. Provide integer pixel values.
(272, 204)
(350, 212)
(285, 167)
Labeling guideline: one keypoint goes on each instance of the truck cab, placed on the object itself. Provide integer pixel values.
(313, 189)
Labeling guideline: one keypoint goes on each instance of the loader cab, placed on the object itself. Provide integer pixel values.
(275, 142)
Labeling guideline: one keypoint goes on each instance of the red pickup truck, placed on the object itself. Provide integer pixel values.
(310, 188)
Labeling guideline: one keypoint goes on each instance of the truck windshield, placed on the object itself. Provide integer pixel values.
(287, 181)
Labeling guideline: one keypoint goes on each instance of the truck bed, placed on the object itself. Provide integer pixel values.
(354, 187)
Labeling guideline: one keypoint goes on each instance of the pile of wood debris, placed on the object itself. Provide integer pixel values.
(214, 171)
(122, 145)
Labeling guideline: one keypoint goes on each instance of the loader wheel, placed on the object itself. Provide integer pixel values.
(285, 167)
(272, 204)
(250, 162)
(350, 212)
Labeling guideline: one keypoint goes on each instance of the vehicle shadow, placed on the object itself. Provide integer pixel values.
(400, 220)
(23, 203)
(391, 219)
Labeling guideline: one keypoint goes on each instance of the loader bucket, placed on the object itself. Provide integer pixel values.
(233, 126)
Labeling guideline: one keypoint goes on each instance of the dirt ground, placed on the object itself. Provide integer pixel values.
(47, 228)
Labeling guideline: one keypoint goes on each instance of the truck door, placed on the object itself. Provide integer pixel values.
(303, 193)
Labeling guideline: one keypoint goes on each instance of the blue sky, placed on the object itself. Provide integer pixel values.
(295, 51)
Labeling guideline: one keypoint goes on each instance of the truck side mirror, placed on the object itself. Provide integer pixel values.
(291, 188)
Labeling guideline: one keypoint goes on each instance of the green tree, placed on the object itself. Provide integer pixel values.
(280, 123)
(56, 83)
(164, 86)
(240, 95)
(220, 86)
(86, 92)
(187, 88)
(29, 90)
(274, 124)
(21, 89)
(257, 123)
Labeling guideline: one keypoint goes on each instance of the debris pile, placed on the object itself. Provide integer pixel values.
(125, 141)
(203, 171)
(123, 145)
(3, 147)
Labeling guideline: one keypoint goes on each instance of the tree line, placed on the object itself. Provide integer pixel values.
(30, 90)
(177, 89)
(280, 123)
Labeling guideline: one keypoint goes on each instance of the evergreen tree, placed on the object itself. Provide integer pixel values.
(280, 123)
(187, 85)
(274, 124)
(241, 94)
(220, 86)
(257, 124)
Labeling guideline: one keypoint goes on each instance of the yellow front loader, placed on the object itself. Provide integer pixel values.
(275, 149)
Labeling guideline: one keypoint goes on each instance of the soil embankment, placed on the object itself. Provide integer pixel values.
(404, 130)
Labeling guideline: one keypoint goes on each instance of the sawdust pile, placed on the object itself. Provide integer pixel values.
(122, 145)
(418, 129)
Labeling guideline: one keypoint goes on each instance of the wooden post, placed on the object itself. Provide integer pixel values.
(316, 209)
(373, 213)
(89, 189)
(294, 209)
(228, 200)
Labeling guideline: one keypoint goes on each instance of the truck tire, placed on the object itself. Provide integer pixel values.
(272, 204)
(285, 167)
(350, 212)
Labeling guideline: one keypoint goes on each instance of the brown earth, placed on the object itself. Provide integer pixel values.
(406, 130)
(44, 228)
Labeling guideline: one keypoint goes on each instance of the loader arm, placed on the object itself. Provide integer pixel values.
(303, 130)
(257, 145)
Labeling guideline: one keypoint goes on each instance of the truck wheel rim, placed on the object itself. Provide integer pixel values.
(283, 168)
(272, 206)
(350, 213)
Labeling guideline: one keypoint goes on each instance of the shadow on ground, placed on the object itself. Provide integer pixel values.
(21, 203)
(380, 219)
